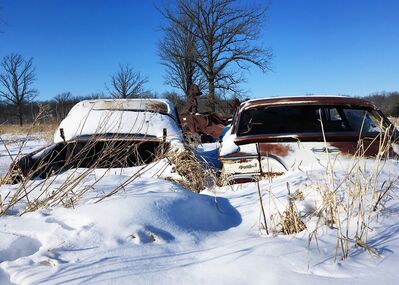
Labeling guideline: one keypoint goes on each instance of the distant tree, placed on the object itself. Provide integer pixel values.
(91, 96)
(149, 94)
(395, 111)
(16, 80)
(225, 35)
(127, 83)
(388, 102)
(176, 99)
(63, 103)
(177, 53)
(3, 112)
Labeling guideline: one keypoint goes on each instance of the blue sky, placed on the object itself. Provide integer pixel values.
(319, 46)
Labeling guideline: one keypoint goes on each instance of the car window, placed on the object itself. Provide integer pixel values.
(362, 120)
(306, 119)
(333, 121)
(286, 119)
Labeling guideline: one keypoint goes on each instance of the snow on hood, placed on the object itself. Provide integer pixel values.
(120, 116)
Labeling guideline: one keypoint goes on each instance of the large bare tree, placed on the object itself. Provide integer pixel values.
(16, 80)
(127, 83)
(226, 36)
(177, 53)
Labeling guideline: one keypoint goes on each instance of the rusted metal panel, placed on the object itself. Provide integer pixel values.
(276, 149)
(194, 123)
(206, 125)
(368, 148)
(214, 130)
(203, 124)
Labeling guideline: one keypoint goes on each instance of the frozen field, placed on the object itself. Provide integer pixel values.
(154, 231)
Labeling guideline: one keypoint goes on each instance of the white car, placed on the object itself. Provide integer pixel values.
(106, 133)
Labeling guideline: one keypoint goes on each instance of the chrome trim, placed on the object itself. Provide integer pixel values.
(239, 157)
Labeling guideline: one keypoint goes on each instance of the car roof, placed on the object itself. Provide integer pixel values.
(308, 100)
(147, 117)
(137, 104)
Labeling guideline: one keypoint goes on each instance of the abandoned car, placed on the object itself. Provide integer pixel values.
(271, 136)
(106, 133)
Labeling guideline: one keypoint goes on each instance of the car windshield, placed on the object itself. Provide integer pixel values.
(306, 119)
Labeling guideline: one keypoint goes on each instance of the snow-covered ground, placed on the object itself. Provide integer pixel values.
(155, 231)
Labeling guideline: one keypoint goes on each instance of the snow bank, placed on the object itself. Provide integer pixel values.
(44, 245)
(154, 231)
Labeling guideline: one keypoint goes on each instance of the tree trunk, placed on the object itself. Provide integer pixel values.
(19, 114)
(211, 86)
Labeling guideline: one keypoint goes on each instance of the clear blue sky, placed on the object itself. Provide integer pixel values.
(322, 47)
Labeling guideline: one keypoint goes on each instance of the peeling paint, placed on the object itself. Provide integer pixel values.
(276, 149)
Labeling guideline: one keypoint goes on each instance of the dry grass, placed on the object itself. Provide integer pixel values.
(43, 130)
(395, 121)
(350, 203)
(195, 173)
(291, 222)
(47, 193)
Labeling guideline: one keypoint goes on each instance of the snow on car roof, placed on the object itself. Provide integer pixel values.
(151, 105)
(141, 117)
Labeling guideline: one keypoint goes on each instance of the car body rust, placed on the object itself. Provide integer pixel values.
(334, 128)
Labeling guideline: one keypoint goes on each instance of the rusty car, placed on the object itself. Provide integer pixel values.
(271, 136)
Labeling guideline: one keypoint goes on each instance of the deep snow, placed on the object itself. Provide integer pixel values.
(155, 231)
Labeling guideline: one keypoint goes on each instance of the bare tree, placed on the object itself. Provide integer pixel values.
(127, 83)
(388, 102)
(177, 53)
(175, 98)
(63, 103)
(17, 79)
(226, 35)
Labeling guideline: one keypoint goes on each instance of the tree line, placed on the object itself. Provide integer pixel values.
(388, 102)
(17, 94)
(18, 104)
